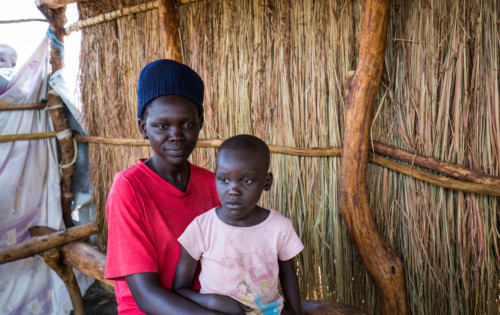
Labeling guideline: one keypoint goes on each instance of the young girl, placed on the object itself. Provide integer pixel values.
(245, 250)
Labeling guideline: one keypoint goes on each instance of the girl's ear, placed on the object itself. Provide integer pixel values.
(269, 181)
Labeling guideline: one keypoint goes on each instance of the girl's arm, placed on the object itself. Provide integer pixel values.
(290, 287)
(183, 282)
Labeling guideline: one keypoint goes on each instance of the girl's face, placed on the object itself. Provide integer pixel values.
(240, 178)
(172, 125)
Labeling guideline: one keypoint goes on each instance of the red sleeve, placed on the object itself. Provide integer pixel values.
(130, 249)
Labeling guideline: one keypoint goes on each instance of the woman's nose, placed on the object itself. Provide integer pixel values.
(175, 133)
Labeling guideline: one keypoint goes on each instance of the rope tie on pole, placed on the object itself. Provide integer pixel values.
(64, 166)
(57, 43)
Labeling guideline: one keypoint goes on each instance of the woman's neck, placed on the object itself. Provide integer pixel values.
(176, 175)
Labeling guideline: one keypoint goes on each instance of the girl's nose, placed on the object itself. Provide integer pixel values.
(234, 190)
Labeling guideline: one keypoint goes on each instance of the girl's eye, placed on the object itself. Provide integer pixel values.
(246, 180)
(188, 125)
(162, 126)
(224, 180)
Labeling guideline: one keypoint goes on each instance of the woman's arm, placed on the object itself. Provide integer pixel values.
(151, 298)
(183, 281)
(290, 287)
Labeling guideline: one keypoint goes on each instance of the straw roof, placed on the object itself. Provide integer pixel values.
(278, 70)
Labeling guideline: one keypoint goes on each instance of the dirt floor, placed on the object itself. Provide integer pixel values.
(99, 301)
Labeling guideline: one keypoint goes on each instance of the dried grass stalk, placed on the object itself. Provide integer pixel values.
(277, 69)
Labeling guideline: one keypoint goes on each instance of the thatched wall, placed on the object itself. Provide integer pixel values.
(277, 69)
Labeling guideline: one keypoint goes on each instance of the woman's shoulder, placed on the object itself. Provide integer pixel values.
(134, 173)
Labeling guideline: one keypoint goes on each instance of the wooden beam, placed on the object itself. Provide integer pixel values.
(170, 28)
(40, 244)
(86, 258)
(55, 4)
(52, 258)
(384, 266)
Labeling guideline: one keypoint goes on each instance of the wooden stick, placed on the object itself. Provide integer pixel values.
(111, 16)
(65, 272)
(39, 244)
(22, 106)
(27, 136)
(170, 28)
(21, 21)
(384, 266)
(439, 180)
(455, 171)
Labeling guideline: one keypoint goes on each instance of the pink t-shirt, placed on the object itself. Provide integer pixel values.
(242, 262)
(146, 215)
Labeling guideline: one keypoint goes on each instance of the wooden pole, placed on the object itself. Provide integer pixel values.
(455, 171)
(57, 19)
(384, 266)
(170, 28)
(39, 244)
(110, 16)
(22, 106)
(52, 258)
(470, 181)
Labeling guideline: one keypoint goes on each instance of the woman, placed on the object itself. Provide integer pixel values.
(152, 202)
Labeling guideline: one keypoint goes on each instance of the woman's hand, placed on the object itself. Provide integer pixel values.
(225, 304)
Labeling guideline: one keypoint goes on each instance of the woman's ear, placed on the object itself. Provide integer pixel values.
(142, 128)
(269, 181)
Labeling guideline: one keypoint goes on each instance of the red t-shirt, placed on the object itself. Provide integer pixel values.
(146, 215)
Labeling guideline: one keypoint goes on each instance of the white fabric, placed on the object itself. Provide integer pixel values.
(30, 195)
(69, 98)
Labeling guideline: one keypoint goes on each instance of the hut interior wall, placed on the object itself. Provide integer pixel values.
(278, 70)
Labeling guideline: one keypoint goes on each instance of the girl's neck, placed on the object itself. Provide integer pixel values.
(255, 217)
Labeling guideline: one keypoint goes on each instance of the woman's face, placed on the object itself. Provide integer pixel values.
(172, 125)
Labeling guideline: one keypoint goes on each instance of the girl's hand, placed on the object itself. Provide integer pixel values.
(225, 304)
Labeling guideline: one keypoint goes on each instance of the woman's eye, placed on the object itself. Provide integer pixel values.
(246, 181)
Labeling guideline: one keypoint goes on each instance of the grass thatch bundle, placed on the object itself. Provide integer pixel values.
(277, 69)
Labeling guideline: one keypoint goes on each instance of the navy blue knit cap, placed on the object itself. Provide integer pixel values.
(168, 77)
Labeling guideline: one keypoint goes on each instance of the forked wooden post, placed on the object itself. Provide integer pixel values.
(385, 267)
(53, 259)
(170, 29)
(57, 19)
